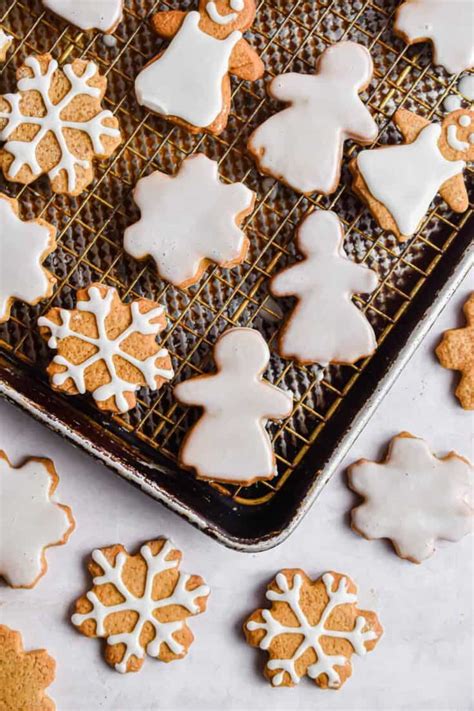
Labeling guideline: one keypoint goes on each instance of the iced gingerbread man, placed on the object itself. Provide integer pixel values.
(399, 182)
(188, 82)
(325, 326)
(229, 442)
(302, 145)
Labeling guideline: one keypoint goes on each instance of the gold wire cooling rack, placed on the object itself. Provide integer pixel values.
(289, 35)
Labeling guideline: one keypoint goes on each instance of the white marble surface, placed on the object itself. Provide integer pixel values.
(425, 659)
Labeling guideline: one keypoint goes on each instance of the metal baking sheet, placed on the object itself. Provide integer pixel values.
(331, 405)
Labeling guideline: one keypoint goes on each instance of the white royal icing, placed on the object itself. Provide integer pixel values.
(325, 326)
(4, 40)
(24, 152)
(188, 218)
(215, 15)
(302, 145)
(30, 521)
(452, 103)
(310, 634)
(449, 25)
(413, 498)
(102, 15)
(100, 306)
(229, 442)
(464, 120)
(406, 178)
(144, 606)
(22, 245)
(186, 80)
(466, 86)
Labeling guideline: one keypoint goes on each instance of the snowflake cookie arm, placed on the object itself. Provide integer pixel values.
(139, 604)
(304, 610)
(72, 128)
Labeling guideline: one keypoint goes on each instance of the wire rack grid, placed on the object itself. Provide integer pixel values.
(289, 35)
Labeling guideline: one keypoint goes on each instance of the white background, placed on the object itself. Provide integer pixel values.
(424, 660)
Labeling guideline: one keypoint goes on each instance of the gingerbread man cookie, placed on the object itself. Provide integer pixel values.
(448, 25)
(55, 124)
(189, 82)
(23, 247)
(398, 183)
(140, 604)
(31, 520)
(325, 326)
(302, 145)
(229, 442)
(312, 628)
(189, 221)
(413, 498)
(456, 351)
(103, 15)
(24, 676)
(107, 347)
(5, 44)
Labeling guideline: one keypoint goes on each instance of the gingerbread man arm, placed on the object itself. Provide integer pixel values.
(245, 63)
(453, 191)
(167, 23)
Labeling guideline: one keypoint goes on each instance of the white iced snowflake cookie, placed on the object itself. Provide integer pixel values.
(5, 44)
(24, 245)
(325, 326)
(140, 604)
(399, 182)
(189, 221)
(447, 24)
(302, 145)
(62, 133)
(107, 347)
(312, 628)
(103, 15)
(229, 442)
(30, 519)
(188, 82)
(413, 498)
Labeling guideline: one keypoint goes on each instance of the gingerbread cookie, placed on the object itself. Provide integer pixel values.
(31, 519)
(312, 628)
(24, 246)
(447, 25)
(325, 326)
(107, 347)
(229, 442)
(302, 145)
(103, 15)
(5, 44)
(189, 221)
(140, 603)
(412, 497)
(456, 351)
(398, 183)
(55, 124)
(189, 82)
(24, 676)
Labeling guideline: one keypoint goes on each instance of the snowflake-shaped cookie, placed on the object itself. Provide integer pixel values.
(413, 498)
(24, 676)
(189, 221)
(139, 603)
(107, 347)
(23, 248)
(456, 351)
(30, 519)
(446, 24)
(103, 15)
(313, 628)
(55, 124)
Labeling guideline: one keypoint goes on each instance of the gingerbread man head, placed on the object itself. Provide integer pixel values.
(241, 351)
(221, 17)
(457, 138)
(347, 62)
